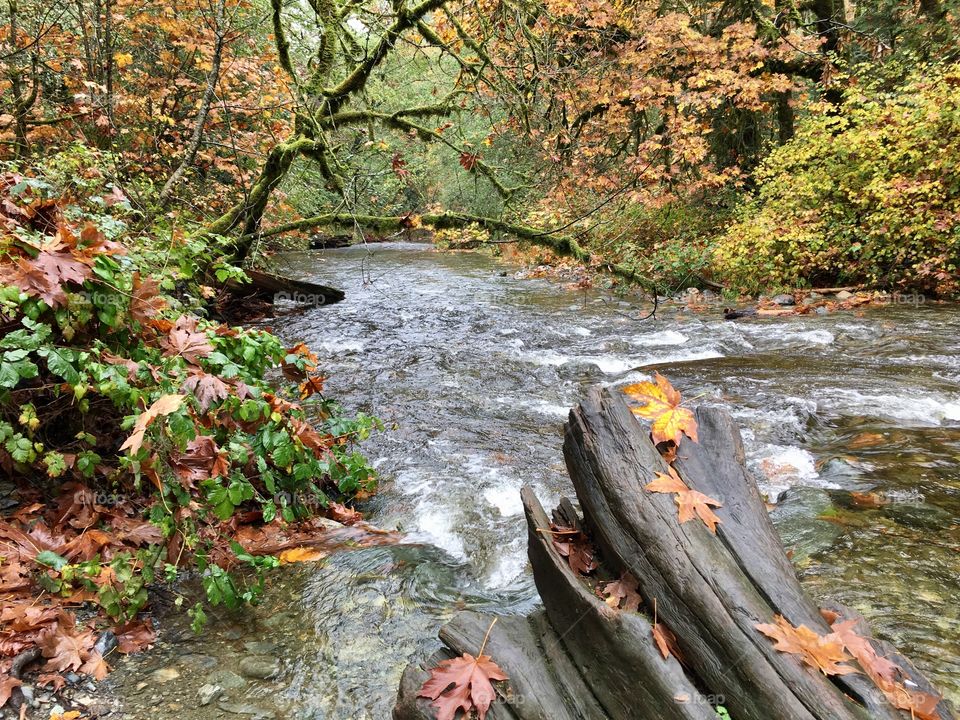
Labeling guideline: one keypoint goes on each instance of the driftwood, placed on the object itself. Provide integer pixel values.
(580, 659)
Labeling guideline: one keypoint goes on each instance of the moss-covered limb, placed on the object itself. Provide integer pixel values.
(357, 79)
(329, 21)
(356, 117)
(249, 211)
(566, 245)
(280, 38)
(399, 121)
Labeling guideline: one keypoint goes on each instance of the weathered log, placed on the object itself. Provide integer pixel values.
(580, 659)
(277, 287)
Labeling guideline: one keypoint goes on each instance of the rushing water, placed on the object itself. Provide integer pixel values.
(473, 371)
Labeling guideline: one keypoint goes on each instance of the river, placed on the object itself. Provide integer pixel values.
(473, 371)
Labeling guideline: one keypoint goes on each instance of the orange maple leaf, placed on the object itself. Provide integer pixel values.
(691, 502)
(823, 652)
(462, 683)
(661, 405)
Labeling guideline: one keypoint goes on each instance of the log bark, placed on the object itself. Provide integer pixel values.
(578, 658)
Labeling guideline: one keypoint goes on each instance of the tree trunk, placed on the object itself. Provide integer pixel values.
(581, 659)
(212, 79)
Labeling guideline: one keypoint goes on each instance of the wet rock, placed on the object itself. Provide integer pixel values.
(227, 679)
(106, 643)
(919, 517)
(196, 660)
(27, 691)
(259, 667)
(163, 675)
(844, 295)
(208, 693)
(797, 520)
(784, 299)
(257, 713)
(822, 311)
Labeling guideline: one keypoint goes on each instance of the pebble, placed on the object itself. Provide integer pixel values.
(164, 675)
(106, 643)
(208, 693)
(259, 667)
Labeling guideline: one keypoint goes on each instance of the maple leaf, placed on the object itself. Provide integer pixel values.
(462, 683)
(95, 666)
(206, 387)
(64, 648)
(184, 340)
(196, 461)
(622, 591)
(823, 652)
(145, 300)
(469, 160)
(665, 639)
(691, 503)
(885, 674)
(312, 385)
(575, 546)
(661, 405)
(164, 405)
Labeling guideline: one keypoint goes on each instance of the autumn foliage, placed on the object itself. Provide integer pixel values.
(142, 437)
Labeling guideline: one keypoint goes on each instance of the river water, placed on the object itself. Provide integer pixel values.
(473, 371)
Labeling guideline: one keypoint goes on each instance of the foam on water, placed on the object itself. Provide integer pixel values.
(918, 408)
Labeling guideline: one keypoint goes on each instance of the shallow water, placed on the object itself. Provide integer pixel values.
(473, 373)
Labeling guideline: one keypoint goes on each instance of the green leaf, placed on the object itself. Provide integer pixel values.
(51, 560)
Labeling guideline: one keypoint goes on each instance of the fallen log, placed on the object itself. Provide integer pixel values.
(270, 286)
(579, 658)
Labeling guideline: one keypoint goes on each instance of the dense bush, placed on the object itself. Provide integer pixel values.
(146, 434)
(867, 195)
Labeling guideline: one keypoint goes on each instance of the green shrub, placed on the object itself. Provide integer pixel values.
(867, 195)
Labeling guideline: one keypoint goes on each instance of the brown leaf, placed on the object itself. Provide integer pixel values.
(7, 684)
(462, 683)
(64, 648)
(207, 388)
(661, 404)
(164, 405)
(622, 593)
(825, 653)
(186, 341)
(145, 300)
(666, 641)
(134, 636)
(575, 546)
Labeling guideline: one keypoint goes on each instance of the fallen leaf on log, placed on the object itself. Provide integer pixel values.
(666, 641)
(622, 593)
(885, 674)
(462, 683)
(575, 546)
(661, 405)
(691, 503)
(823, 652)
